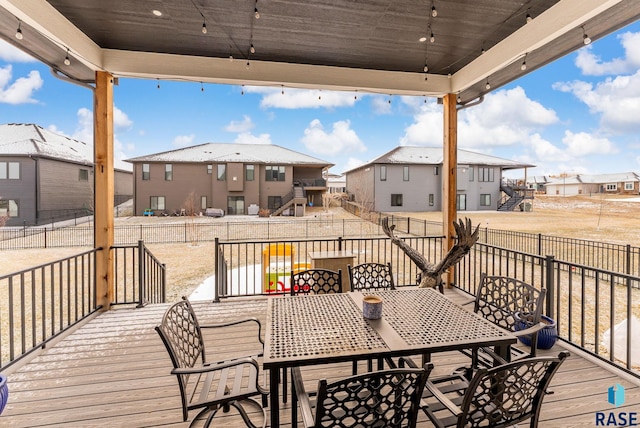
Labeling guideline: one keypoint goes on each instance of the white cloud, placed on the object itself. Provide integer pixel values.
(616, 100)
(506, 117)
(381, 104)
(240, 126)
(249, 138)
(293, 98)
(21, 90)
(10, 53)
(584, 144)
(341, 139)
(353, 163)
(592, 65)
(183, 140)
(120, 119)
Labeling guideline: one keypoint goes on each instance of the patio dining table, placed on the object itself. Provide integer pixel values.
(321, 329)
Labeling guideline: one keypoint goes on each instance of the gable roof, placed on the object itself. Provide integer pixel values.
(27, 139)
(228, 152)
(419, 155)
(619, 177)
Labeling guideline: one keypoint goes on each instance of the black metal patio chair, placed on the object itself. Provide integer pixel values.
(209, 385)
(316, 281)
(371, 276)
(387, 398)
(499, 397)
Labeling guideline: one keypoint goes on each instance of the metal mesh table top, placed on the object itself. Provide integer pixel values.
(318, 326)
(423, 317)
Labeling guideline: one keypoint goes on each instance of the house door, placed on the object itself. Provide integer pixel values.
(235, 205)
(461, 202)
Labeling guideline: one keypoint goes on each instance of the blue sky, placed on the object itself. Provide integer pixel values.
(580, 114)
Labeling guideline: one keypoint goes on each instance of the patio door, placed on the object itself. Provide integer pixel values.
(461, 202)
(235, 204)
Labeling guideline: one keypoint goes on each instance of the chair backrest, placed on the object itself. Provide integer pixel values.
(506, 395)
(387, 398)
(316, 281)
(181, 335)
(371, 276)
(500, 298)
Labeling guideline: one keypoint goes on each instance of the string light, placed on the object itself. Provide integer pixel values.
(248, 64)
(158, 86)
(230, 54)
(459, 99)
(255, 11)
(19, 34)
(389, 99)
(242, 90)
(487, 86)
(528, 18)
(434, 12)
(585, 38)
(204, 28)
(282, 89)
(523, 67)
(201, 87)
(252, 49)
(432, 39)
(67, 61)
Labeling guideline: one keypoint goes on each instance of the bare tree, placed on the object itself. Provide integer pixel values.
(190, 209)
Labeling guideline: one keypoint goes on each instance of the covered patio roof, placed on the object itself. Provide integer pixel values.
(374, 46)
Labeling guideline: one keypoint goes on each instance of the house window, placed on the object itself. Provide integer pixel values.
(146, 175)
(611, 187)
(8, 207)
(249, 172)
(405, 173)
(461, 202)
(431, 199)
(10, 170)
(222, 172)
(274, 202)
(436, 170)
(274, 173)
(157, 203)
(203, 202)
(470, 174)
(485, 200)
(83, 175)
(628, 186)
(383, 173)
(396, 199)
(168, 172)
(485, 174)
(209, 169)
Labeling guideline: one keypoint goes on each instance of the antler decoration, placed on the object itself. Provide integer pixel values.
(431, 275)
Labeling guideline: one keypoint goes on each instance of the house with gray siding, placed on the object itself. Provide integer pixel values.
(409, 178)
(237, 178)
(47, 177)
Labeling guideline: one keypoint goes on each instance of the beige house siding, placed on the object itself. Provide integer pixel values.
(361, 184)
(61, 188)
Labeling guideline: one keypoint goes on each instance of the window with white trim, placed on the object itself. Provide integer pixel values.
(157, 203)
(628, 186)
(611, 187)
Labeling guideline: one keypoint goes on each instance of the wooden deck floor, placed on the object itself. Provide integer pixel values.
(114, 372)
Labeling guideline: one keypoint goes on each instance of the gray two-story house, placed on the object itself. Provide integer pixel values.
(237, 178)
(47, 177)
(409, 178)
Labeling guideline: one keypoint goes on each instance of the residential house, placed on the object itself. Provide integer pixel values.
(47, 177)
(233, 177)
(409, 178)
(624, 183)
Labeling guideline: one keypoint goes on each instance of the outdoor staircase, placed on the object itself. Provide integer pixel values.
(514, 198)
(295, 197)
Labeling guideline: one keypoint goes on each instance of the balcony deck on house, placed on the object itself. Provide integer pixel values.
(114, 371)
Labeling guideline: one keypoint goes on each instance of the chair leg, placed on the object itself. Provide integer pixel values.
(294, 405)
(284, 385)
(242, 412)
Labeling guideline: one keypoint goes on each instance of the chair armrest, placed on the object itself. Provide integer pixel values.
(302, 396)
(215, 366)
(407, 362)
(450, 405)
(529, 330)
(496, 358)
(236, 322)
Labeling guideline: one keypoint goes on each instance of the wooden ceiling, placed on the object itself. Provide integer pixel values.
(371, 46)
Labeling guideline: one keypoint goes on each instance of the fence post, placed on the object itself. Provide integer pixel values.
(216, 270)
(550, 286)
(141, 273)
(408, 224)
(185, 231)
(339, 243)
(45, 237)
(628, 262)
(539, 244)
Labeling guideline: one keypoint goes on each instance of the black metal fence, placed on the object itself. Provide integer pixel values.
(40, 303)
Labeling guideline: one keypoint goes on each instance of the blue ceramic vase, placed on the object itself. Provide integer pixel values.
(4, 392)
(547, 337)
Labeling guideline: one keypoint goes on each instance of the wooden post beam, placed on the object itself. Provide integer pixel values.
(449, 173)
(103, 187)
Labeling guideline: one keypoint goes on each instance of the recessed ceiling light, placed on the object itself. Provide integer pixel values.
(156, 12)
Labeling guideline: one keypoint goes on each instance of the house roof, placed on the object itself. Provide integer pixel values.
(27, 139)
(241, 153)
(419, 155)
(620, 177)
(377, 46)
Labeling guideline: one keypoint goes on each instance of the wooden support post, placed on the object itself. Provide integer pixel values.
(449, 173)
(103, 187)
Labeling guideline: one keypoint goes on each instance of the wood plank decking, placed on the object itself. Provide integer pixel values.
(114, 372)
